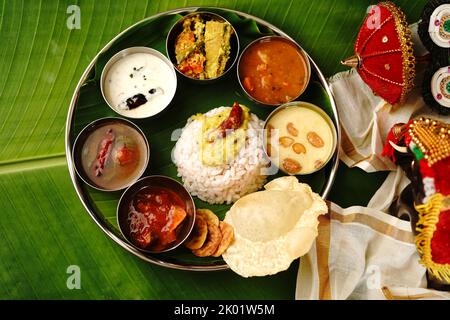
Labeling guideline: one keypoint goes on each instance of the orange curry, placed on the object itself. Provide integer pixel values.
(273, 71)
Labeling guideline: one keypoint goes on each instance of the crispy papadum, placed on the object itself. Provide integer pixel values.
(273, 227)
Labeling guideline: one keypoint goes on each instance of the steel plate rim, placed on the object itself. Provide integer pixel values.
(68, 144)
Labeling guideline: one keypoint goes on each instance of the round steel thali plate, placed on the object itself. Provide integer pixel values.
(89, 110)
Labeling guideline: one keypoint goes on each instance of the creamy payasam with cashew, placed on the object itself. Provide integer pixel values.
(299, 139)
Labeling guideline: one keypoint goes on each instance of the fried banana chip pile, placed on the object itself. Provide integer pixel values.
(210, 237)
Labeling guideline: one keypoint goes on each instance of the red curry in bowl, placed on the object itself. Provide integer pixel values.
(273, 70)
(156, 214)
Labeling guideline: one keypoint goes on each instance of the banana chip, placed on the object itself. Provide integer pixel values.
(213, 239)
(208, 215)
(210, 236)
(227, 237)
(198, 235)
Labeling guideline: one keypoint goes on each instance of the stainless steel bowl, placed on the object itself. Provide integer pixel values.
(156, 181)
(121, 55)
(302, 104)
(81, 139)
(269, 38)
(176, 30)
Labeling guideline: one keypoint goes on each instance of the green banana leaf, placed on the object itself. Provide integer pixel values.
(43, 227)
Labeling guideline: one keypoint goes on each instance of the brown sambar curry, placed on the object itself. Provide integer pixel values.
(273, 70)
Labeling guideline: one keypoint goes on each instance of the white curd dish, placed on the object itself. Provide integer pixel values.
(138, 82)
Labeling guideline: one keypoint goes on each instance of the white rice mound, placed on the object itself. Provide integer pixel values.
(226, 183)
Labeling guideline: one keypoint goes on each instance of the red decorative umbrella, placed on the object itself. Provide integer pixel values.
(384, 56)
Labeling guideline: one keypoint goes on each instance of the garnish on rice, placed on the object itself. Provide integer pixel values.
(233, 122)
(220, 157)
(223, 134)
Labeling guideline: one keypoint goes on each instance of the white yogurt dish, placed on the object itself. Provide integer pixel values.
(138, 82)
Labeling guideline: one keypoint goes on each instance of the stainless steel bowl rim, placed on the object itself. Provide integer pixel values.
(176, 24)
(303, 53)
(140, 181)
(95, 123)
(123, 53)
(316, 109)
